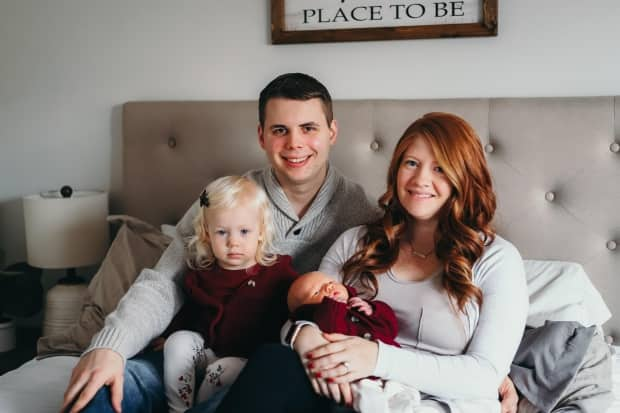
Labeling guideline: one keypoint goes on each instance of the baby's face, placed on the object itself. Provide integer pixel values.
(314, 286)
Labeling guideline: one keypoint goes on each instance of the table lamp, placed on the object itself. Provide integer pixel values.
(65, 229)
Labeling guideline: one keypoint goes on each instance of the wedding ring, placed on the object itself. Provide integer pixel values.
(346, 366)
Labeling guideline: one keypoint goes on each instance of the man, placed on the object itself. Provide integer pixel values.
(311, 204)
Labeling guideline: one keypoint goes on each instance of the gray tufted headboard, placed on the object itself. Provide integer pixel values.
(555, 163)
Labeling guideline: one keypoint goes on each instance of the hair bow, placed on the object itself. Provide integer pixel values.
(204, 199)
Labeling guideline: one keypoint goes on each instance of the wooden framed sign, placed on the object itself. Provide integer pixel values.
(304, 21)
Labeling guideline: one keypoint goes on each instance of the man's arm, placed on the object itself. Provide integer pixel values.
(143, 313)
(151, 302)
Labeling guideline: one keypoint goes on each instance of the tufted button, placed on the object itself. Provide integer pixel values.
(172, 142)
(550, 196)
(367, 336)
(489, 148)
(611, 245)
(614, 147)
(375, 145)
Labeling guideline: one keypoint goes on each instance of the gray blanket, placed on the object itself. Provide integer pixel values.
(563, 367)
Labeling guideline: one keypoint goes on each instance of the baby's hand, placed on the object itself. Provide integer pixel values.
(338, 298)
(360, 305)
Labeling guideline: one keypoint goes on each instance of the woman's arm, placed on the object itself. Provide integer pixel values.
(500, 275)
(309, 339)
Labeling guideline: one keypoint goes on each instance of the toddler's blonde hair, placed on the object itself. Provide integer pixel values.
(224, 193)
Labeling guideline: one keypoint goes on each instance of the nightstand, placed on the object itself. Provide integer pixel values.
(25, 350)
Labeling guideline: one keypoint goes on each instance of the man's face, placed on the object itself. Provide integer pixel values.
(297, 139)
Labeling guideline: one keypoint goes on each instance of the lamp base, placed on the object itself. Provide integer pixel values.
(7, 334)
(63, 307)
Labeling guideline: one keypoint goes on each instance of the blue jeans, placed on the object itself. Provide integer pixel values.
(143, 387)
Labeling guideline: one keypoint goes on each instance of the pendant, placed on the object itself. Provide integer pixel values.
(420, 255)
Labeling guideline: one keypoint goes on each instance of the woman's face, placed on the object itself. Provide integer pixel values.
(421, 185)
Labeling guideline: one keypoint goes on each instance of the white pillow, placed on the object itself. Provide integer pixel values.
(562, 291)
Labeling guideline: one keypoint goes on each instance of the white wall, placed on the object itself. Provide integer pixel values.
(67, 65)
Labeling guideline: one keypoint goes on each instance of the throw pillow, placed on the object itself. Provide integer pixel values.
(137, 245)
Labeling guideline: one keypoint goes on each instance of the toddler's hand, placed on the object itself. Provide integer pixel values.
(158, 343)
(360, 305)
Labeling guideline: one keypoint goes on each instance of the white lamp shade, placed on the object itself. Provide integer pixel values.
(66, 232)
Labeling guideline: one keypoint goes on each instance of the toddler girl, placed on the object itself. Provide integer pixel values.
(235, 291)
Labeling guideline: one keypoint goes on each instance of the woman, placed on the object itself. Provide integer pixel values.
(457, 288)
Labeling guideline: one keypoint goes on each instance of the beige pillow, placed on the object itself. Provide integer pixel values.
(137, 245)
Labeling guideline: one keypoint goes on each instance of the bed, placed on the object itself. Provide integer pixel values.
(555, 164)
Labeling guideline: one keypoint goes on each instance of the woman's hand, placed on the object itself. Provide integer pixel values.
(508, 396)
(344, 359)
(309, 339)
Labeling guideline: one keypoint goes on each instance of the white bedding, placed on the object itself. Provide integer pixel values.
(37, 386)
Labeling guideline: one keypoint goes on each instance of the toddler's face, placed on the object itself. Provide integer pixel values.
(311, 288)
(234, 234)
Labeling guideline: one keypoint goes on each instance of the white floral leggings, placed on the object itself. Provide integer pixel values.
(185, 360)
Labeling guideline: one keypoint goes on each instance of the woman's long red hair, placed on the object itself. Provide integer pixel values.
(464, 221)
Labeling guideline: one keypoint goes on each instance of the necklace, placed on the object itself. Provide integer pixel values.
(421, 254)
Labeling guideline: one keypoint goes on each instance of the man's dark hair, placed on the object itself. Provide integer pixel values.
(296, 86)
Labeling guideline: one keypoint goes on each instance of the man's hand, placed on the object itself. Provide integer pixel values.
(508, 396)
(100, 367)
